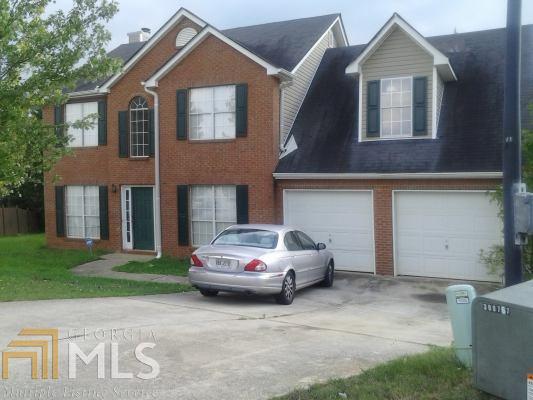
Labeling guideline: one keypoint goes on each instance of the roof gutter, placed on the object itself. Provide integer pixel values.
(157, 186)
(413, 175)
(88, 93)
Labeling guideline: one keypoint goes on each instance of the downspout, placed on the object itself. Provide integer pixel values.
(157, 186)
(282, 135)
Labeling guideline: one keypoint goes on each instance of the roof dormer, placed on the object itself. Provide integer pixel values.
(401, 84)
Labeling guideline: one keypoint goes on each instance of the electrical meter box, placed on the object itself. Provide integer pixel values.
(502, 342)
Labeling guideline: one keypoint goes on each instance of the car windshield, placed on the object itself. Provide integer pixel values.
(248, 237)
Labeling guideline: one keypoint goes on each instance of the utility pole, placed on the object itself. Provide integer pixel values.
(512, 159)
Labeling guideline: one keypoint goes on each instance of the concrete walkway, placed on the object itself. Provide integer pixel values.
(104, 268)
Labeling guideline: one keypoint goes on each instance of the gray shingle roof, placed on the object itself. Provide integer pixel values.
(282, 44)
(469, 137)
(123, 52)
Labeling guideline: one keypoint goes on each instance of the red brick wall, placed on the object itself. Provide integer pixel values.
(248, 160)
(101, 165)
(382, 194)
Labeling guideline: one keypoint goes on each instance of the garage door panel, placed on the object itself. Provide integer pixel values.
(348, 260)
(440, 234)
(342, 220)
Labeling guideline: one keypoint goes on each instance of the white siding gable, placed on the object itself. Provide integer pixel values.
(292, 96)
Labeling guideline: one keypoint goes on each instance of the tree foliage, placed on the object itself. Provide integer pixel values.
(43, 55)
(493, 258)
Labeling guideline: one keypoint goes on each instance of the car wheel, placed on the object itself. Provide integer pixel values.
(208, 292)
(288, 290)
(330, 275)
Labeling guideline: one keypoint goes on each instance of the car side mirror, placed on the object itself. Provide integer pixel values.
(320, 246)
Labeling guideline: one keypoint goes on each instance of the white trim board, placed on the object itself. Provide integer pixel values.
(439, 59)
(415, 175)
(199, 38)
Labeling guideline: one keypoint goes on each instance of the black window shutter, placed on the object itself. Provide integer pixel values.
(123, 134)
(60, 211)
(58, 120)
(241, 110)
(419, 106)
(183, 215)
(151, 132)
(102, 123)
(104, 211)
(372, 109)
(181, 114)
(242, 204)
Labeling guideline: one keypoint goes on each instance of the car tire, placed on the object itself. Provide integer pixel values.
(208, 292)
(330, 276)
(288, 289)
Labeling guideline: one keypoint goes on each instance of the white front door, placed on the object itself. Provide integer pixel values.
(342, 219)
(127, 227)
(440, 234)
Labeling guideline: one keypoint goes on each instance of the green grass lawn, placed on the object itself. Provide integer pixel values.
(435, 375)
(162, 266)
(31, 271)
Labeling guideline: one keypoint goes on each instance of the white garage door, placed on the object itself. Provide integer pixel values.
(440, 234)
(342, 220)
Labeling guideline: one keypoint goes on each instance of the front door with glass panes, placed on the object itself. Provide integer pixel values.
(137, 217)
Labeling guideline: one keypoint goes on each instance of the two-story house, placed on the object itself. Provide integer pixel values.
(383, 151)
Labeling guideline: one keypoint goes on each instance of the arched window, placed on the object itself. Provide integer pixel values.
(139, 128)
(184, 36)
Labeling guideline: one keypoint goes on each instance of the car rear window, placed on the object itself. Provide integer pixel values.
(248, 237)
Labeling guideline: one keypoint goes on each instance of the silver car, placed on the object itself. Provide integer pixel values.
(262, 259)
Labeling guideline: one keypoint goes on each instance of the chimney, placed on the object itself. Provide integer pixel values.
(139, 36)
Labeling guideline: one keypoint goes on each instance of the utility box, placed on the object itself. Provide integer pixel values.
(502, 342)
(459, 299)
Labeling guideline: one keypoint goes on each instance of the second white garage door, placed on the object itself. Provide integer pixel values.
(343, 220)
(440, 234)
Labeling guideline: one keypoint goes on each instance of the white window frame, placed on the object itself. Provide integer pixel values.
(214, 113)
(213, 220)
(83, 215)
(381, 108)
(94, 126)
(143, 145)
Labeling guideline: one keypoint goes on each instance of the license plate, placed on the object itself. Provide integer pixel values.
(225, 264)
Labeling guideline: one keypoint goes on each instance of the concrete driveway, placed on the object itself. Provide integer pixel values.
(231, 347)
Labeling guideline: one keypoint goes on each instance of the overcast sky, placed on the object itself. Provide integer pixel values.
(362, 18)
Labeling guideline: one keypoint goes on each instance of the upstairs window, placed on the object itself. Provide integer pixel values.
(212, 113)
(76, 113)
(139, 128)
(396, 107)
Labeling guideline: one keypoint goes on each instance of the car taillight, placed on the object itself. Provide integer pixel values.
(195, 261)
(255, 266)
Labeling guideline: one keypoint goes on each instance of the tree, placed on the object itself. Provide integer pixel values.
(493, 257)
(42, 56)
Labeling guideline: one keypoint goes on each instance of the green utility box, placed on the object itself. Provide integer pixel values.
(502, 342)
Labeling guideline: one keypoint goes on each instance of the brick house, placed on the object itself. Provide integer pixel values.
(202, 129)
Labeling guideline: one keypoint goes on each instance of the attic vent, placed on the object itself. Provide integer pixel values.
(184, 36)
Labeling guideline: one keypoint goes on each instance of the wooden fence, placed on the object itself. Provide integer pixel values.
(14, 220)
